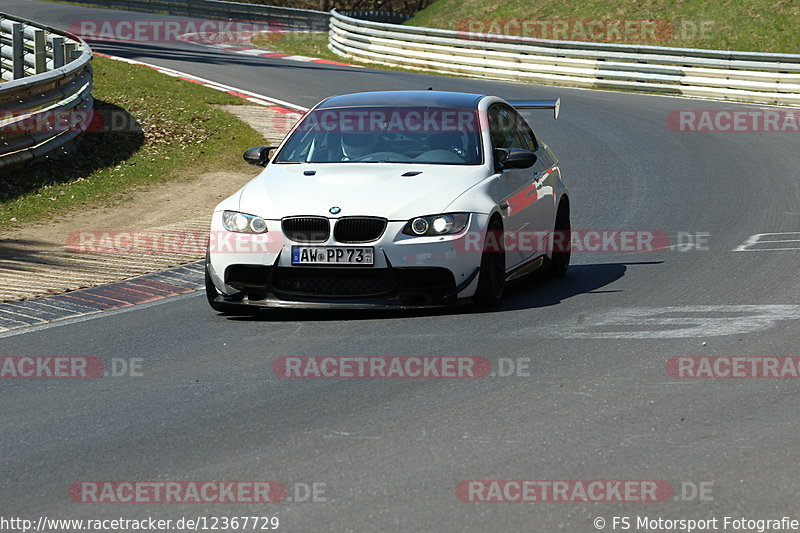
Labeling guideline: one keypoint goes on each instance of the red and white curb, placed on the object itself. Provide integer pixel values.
(212, 40)
(138, 290)
(135, 291)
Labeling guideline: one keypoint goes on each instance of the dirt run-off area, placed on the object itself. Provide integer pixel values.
(34, 260)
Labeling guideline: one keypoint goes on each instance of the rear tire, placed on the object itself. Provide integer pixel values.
(492, 274)
(558, 263)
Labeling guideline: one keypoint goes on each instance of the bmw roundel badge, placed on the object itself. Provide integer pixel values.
(335, 210)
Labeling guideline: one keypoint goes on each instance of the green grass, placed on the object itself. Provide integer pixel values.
(315, 45)
(749, 25)
(752, 25)
(173, 132)
(298, 43)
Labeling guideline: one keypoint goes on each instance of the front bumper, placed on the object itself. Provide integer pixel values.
(299, 287)
(409, 272)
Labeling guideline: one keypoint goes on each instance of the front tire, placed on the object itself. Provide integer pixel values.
(492, 274)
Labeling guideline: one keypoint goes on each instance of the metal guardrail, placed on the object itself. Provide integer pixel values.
(46, 79)
(283, 17)
(392, 17)
(742, 76)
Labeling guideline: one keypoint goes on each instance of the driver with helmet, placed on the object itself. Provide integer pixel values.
(356, 145)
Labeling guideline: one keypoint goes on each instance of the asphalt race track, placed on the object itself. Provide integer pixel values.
(595, 402)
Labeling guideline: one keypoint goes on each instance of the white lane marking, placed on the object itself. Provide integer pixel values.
(252, 52)
(750, 245)
(672, 322)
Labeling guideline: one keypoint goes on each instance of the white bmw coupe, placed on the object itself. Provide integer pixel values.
(396, 199)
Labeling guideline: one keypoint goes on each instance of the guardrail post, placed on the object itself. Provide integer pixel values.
(69, 51)
(59, 54)
(39, 51)
(17, 50)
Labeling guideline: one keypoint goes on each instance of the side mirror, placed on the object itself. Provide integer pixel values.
(259, 156)
(514, 158)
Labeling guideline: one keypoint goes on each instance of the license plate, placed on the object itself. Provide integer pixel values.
(332, 255)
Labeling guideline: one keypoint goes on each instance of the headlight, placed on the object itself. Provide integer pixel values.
(243, 223)
(437, 225)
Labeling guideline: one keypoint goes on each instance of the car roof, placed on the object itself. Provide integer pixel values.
(404, 99)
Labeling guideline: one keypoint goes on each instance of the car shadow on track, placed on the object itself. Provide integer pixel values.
(531, 292)
(539, 290)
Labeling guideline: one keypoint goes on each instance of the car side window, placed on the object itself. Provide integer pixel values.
(524, 133)
(502, 135)
(509, 130)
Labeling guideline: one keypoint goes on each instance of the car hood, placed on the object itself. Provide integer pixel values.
(365, 189)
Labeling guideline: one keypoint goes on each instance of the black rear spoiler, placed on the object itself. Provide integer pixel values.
(555, 105)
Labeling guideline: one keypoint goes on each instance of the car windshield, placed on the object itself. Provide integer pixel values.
(442, 136)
